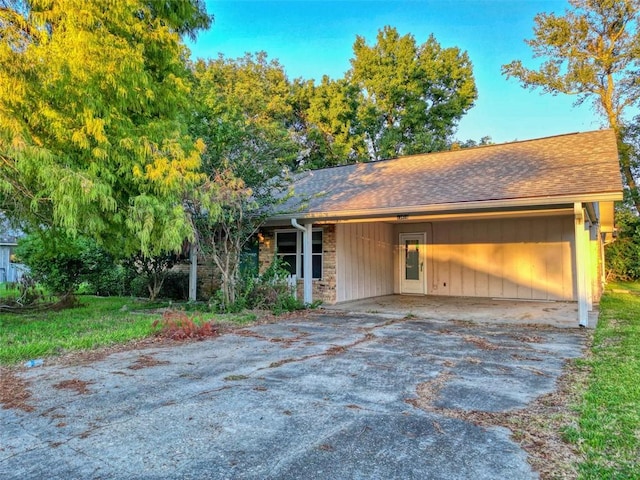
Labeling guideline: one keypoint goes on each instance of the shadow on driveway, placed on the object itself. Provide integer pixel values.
(330, 396)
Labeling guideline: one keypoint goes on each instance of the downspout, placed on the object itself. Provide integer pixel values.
(306, 259)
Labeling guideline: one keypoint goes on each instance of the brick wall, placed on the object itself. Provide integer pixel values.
(324, 288)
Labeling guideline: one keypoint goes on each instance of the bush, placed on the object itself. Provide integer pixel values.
(269, 291)
(62, 264)
(175, 286)
(622, 257)
(179, 326)
(55, 260)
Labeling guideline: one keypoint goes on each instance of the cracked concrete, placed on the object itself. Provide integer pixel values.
(325, 397)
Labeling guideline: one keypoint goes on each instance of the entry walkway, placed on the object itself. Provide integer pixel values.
(476, 309)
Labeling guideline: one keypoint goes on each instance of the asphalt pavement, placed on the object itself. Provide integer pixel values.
(327, 396)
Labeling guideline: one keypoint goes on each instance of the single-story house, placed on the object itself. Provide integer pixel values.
(521, 220)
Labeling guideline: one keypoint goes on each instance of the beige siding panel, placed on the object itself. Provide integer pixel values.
(365, 260)
(529, 258)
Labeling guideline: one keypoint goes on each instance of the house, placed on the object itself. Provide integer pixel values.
(521, 220)
(9, 270)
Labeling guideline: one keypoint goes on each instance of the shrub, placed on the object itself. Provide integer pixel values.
(269, 291)
(623, 256)
(178, 325)
(149, 273)
(55, 260)
(175, 286)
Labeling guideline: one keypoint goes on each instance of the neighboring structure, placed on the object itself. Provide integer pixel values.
(9, 271)
(522, 220)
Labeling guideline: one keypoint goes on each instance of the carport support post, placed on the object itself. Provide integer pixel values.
(193, 271)
(307, 262)
(308, 265)
(581, 265)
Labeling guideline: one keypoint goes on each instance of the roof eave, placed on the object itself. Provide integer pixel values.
(449, 207)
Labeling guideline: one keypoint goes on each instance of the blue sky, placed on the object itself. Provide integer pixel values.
(312, 38)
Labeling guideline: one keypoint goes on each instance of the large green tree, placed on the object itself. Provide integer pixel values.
(593, 52)
(93, 97)
(412, 96)
(242, 111)
(326, 123)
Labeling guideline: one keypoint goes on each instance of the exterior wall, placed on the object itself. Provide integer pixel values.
(364, 260)
(9, 271)
(528, 258)
(324, 289)
(208, 277)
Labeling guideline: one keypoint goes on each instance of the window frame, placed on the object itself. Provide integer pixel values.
(298, 253)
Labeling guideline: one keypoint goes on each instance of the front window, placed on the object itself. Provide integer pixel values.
(290, 249)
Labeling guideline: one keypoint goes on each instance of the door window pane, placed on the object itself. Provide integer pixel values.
(412, 260)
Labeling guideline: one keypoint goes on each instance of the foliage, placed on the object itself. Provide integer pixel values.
(177, 325)
(242, 116)
(326, 123)
(607, 433)
(149, 272)
(412, 95)
(269, 291)
(97, 322)
(623, 256)
(242, 112)
(470, 143)
(175, 286)
(591, 52)
(92, 99)
(60, 263)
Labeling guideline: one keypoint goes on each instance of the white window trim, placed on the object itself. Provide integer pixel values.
(299, 258)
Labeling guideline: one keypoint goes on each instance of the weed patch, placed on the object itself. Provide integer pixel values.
(177, 325)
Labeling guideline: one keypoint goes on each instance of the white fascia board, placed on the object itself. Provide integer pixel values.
(448, 207)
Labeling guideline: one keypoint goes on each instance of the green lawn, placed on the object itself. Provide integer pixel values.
(96, 323)
(609, 427)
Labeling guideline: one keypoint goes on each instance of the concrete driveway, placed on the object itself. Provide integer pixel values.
(325, 397)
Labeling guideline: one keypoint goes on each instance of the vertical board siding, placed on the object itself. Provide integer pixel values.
(527, 258)
(364, 263)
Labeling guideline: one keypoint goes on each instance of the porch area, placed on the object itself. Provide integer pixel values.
(474, 309)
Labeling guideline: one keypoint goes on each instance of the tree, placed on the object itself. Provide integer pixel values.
(591, 52)
(93, 95)
(412, 96)
(242, 113)
(327, 124)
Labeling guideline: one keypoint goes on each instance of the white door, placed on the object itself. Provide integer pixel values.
(412, 263)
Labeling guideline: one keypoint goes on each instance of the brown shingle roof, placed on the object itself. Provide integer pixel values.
(572, 164)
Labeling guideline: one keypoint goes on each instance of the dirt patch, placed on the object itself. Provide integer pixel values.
(14, 391)
(527, 338)
(146, 361)
(79, 386)
(479, 342)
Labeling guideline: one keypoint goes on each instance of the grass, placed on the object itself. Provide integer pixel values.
(98, 322)
(608, 432)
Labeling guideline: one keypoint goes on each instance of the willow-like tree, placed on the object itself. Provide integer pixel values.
(412, 96)
(592, 52)
(93, 95)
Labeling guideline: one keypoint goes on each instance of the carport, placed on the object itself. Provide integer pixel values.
(471, 309)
